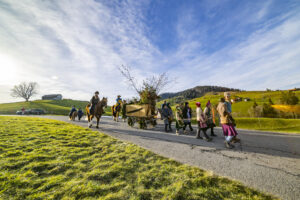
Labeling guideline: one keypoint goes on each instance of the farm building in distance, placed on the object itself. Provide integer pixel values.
(52, 97)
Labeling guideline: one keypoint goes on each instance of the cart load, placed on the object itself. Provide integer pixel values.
(141, 113)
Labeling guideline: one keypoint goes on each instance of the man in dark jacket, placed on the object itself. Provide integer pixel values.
(95, 99)
(80, 113)
(187, 115)
(166, 115)
(73, 109)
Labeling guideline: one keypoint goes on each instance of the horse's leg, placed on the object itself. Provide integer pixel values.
(117, 116)
(91, 121)
(98, 119)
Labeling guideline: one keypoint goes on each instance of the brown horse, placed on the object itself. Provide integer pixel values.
(74, 115)
(97, 112)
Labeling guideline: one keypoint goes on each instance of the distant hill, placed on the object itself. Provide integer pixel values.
(196, 92)
(56, 107)
(239, 109)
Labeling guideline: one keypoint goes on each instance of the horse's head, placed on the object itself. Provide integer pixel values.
(104, 102)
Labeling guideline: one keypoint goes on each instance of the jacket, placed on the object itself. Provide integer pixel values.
(185, 111)
(222, 110)
(200, 115)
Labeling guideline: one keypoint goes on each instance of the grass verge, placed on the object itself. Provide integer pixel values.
(53, 107)
(270, 124)
(48, 159)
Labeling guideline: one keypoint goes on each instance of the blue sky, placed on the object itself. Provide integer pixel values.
(74, 47)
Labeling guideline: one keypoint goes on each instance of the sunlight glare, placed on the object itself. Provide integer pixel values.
(8, 69)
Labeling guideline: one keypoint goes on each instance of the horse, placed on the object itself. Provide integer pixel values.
(98, 112)
(73, 116)
(116, 112)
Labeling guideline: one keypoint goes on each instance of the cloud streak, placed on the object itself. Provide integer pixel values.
(75, 47)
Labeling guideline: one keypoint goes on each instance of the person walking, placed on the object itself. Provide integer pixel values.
(170, 117)
(209, 116)
(227, 126)
(201, 120)
(163, 105)
(230, 117)
(80, 114)
(187, 115)
(165, 114)
(179, 119)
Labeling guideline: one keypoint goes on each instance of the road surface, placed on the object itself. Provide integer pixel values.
(269, 162)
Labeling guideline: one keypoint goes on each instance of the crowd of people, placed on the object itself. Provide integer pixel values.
(205, 119)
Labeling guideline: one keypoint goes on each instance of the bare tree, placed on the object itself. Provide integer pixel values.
(24, 90)
(156, 83)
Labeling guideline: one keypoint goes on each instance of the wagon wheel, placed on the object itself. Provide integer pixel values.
(142, 123)
(130, 121)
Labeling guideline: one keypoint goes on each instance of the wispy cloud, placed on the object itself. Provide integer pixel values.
(75, 47)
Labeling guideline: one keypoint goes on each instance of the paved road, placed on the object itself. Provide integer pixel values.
(266, 161)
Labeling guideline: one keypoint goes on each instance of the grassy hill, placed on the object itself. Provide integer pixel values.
(239, 109)
(56, 107)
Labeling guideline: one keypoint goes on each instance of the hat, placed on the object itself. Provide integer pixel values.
(96, 92)
(208, 103)
(198, 104)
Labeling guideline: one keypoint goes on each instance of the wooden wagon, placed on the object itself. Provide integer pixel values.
(142, 113)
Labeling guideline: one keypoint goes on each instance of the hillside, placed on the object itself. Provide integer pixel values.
(195, 92)
(239, 109)
(56, 107)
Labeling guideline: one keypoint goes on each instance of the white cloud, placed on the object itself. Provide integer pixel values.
(74, 48)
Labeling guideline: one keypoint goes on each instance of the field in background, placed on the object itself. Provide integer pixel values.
(52, 107)
(48, 159)
(239, 109)
(269, 124)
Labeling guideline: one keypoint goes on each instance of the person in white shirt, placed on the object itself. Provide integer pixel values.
(201, 120)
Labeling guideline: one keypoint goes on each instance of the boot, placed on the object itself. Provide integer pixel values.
(170, 128)
(228, 145)
(207, 138)
(166, 128)
(236, 140)
(198, 134)
(212, 132)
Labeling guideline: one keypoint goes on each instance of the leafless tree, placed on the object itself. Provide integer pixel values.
(24, 90)
(157, 83)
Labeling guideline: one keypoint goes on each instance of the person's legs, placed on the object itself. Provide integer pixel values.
(205, 135)
(212, 133)
(170, 127)
(198, 132)
(190, 126)
(166, 127)
(227, 142)
(184, 127)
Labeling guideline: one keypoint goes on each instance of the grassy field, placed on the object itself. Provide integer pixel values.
(54, 107)
(239, 109)
(270, 124)
(48, 159)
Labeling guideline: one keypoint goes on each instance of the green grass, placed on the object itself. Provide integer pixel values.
(54, 107)
(48, 159)
(270, 124)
